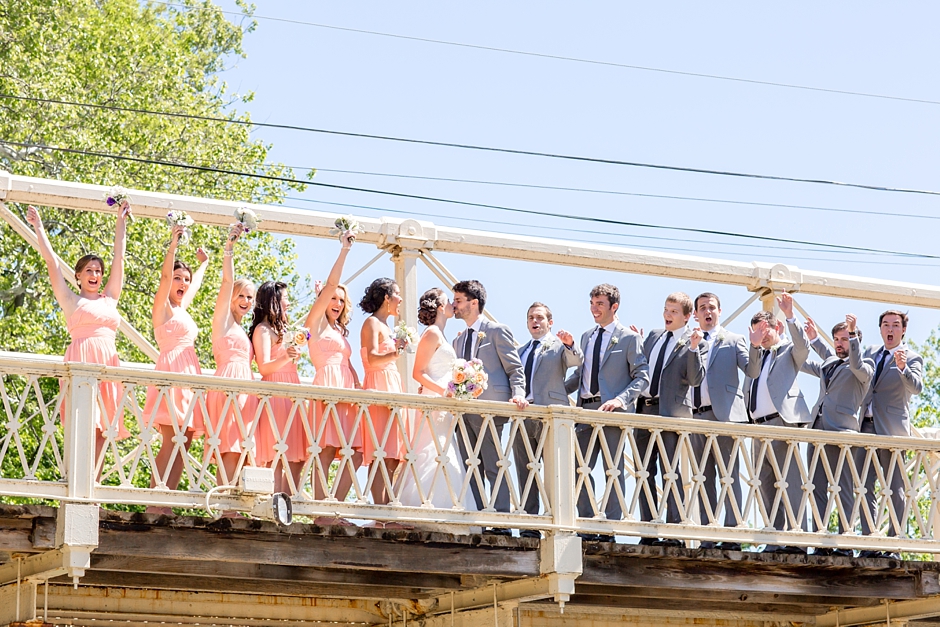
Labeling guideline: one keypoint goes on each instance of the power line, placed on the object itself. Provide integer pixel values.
(529, 153)
(642, 237)
(463, 202)
(541, 55)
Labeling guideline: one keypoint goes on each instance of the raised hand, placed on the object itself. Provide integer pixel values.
(176, 234)
(317, 287)
(636, 330)
(235, 231)
(900, 358)
(811, 331)
(565, 338)
(757, 333)
(785, 302)
(124, 213)
(851, 320)
(201, 255)
(32, 216)
(697, 336)
(347, 239)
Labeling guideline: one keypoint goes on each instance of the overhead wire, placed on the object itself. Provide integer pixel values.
(593, 219)
(557, 57)
(530, 153)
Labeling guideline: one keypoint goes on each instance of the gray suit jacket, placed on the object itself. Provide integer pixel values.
(891, 394)
(781, 380)
(624, 371)
(683, 368)
(728, 354)
(842, 398)
(548, 375)
(497, 351)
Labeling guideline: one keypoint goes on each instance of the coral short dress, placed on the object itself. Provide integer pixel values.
(176, 340)
(232, 354)
(330, 356)
(386, 379)
(295, 439)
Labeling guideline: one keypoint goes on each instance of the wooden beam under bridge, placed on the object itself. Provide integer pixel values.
(419, 235)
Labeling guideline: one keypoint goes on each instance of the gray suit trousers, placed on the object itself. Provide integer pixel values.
(897, 484)
(767, 476)
(612, 437)
(656, 464)
(821, 484)
(488, 459)
(533, 432)
(711, 488)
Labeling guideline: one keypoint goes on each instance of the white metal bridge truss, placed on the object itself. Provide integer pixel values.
(41, 459)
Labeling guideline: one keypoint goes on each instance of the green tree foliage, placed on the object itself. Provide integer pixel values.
(927, 404)
(137, 55)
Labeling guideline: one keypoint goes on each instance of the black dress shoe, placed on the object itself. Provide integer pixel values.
(729, 546)
(647, 542)
(530, 533)
(824, 552)
(890, 555)
(669, 542)
(791, 550)
(497, 531)
(832, 552)
(589, 537)
(869, 554)
(708, 544)
(605, 537)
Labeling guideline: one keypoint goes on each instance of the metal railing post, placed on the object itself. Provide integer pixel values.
(406, 275)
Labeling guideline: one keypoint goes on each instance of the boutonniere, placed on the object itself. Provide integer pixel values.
(545, 348)
(682, 341)
(481, 336)
(614, 340)
(720, 337)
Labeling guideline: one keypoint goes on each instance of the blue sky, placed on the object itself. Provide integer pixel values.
(364, 83)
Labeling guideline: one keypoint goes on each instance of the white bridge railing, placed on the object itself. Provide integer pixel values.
(41, 459)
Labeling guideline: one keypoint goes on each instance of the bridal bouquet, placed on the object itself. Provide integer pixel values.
(117, 196)
(180, 218)
(345, 224)
(469, 380)
(248, 218)
(408, 334)
(296, 334)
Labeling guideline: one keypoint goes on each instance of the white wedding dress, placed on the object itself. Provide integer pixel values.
(435, 436)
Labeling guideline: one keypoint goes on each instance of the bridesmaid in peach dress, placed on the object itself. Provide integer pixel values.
(277, 362)
(328, 322)
(92, 318)
(380, 351)
(232, 351)
(175, 332)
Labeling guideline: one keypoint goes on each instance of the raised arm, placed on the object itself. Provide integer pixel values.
(222, 319)
(116, 279)
(67, 299)
(318, 309)
(198, 276)
(161, 301)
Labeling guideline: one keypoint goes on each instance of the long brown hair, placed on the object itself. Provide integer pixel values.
(268, 308)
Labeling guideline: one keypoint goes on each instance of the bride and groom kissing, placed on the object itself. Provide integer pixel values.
(491, 343)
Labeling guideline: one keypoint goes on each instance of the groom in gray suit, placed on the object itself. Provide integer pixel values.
(676, 361)
(546, 359)
(899, 375)
(773, 397)
(844, 379)
(493, 344)
(612, 376)
(719, 399)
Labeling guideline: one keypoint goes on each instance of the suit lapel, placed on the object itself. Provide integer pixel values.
(476, 346)
(543, 348)
(675, 351)
(610, 345)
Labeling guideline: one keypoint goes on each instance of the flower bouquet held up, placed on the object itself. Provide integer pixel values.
(248, 218)
(296, 334)
(469, 380)
(116, 197)
(345, 224)
(180, 218)
(406, 334)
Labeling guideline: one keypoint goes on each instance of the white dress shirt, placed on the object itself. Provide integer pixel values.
(710, 343)
(588, 367)
(878, 355)
(544, 341)
(473, 330)
(654, 354)
(765, 404)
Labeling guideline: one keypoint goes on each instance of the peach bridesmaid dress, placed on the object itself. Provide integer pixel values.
(265, 438)
(385, 379)
(232, 360)
(93, 327)
(176, 340)
(330, 356)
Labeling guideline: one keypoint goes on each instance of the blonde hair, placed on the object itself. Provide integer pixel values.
(683, 300)
(346, 314)
(241, 284)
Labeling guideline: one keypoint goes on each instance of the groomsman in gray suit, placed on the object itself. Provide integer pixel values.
(844, 379)
(546, 359)
(719, 399)
(773, 397)
(899, 375)
(612, 376)
(676, 361)
(493, 344)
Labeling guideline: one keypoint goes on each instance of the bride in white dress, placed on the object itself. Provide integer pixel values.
(434, 433)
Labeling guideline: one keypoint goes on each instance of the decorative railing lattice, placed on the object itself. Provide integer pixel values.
(796, 486)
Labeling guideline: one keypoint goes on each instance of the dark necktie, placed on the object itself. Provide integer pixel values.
(596, 362)
(658, 370)
(529, 361)
(752, 404)
(830, 370)
(468, 346)
(881, 366)
(697, 390)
